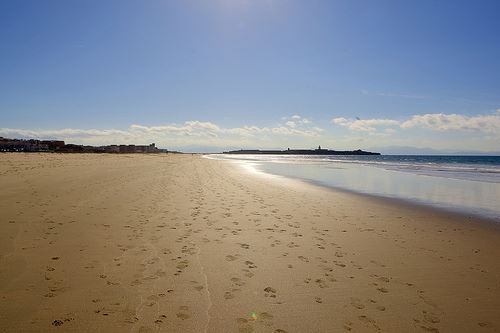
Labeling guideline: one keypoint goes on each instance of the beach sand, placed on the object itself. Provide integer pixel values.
(180, 243)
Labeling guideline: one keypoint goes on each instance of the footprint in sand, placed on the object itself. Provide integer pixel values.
(321, 283)
(356, 302)
(146, 329)
(237, 281)
(377, 263)
(383, 290)
(181, 266)
(384, 279)
(131, 319)
(430, 317)
(266, 316)
(182, 315)
(348, 326)
(248, 273)
(228, 295)
(429, 329)
(304, 259)
(136, 282)
(152, 298)
(270, 292)
(245, 327)
(369, 321)
(250, 264)
(57, 322)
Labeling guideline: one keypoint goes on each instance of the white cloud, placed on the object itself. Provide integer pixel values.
(188, 133)
(340, 121)
(450, 122)
(365, 125)
(189, 128)
(296, 121)
(483, 133)
(433, 121)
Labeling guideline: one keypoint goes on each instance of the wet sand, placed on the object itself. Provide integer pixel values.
(171, 243)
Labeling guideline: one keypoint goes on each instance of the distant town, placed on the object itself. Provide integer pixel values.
(57, 146)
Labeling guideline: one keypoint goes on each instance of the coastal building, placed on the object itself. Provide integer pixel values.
(33, 145)
(111, 149)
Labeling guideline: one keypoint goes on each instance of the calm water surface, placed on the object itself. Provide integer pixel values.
(468, 184)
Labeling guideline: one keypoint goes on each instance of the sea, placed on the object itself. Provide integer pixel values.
(465, 184)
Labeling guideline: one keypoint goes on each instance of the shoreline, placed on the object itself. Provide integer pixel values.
(487, 216)
(462, 217)
(182, 243)
(409, 203)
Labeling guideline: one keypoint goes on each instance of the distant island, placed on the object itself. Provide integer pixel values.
(57, 146)
(318, 151)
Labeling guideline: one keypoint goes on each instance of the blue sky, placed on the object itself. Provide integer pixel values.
(263, 73)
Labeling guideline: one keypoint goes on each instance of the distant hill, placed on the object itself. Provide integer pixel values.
(407, 150)
(318, 151)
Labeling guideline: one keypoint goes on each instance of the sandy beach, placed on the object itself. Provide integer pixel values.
(180, 243)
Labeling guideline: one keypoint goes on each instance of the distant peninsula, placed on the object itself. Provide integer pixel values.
(318, 151)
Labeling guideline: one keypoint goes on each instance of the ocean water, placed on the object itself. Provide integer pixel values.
(466, 184)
